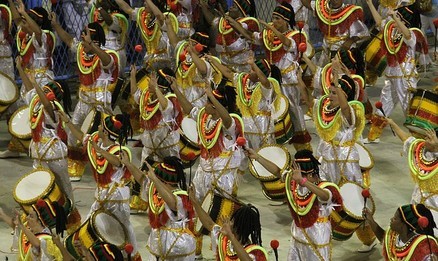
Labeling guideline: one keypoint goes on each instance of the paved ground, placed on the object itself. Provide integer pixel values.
(391, 187)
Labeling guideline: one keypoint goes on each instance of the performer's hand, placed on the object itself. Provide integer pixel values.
(296, 172)
(431, 140)
(57, 240)
(20, 7)
(18, 62)
(250, 153)
(150, 172)
(86, 36)
(172, 81)
(192, 193)
(226, 228)
(124, 158)
(367, 215)
(133, 70)
(265, 24)
(251, 60)
(52, 18)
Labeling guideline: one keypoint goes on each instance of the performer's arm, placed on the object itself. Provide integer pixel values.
(173, 38)
(240, 251)
(33, 26)
(133, 79)
(34, 241)
(400, 25)
(124, 6)
(185, 104)
(104, 57)
(307, 4)
(107, 18)
(165, 192)
(43, 99)
(156, 11)
(162, 100)
(227, 72)
(63, 35)
(112, 159)
(342, 98)
(223, 113)
(77, 133)
(26, 82)
(262, 77)
(136, 172)
(324, 195)
(286, 41)
(15, 15)
(374, 13)
(199, 63)
(310, 64)
(66, 256)
(208, 15)
(239, 28)
(378, 230)
(400, 133)
(267, 164)
(7, 219)
(205, 218)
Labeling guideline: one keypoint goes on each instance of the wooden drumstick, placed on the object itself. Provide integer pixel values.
(379, 106)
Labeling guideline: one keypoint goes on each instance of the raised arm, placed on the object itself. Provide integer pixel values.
(262, 77)
(185, 104)
(200, 63)
(32, 25)
(296, 175)
(164, 191)
(239, 28)
(377, 229)
(63, 35)
(286, 41)
(43, 99)
(124, 6)
(208, 15)
(26, 82)
(7, 219)
(105, 58)
(229, 74)
(173, 38)
(106, 16)
(156, 11)
(343, 103)
(136, 172)
(238, 247)
(76, 131)
(223, 113)
(400, 25)
(307, 4)
(376, 16)
(133, 79)
(15, 15)
(112, 159)
(203, 216)
(162, 100)
(312, 66)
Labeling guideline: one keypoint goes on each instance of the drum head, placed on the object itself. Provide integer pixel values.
(19, 124)
(365, 158)
(353, 201)
(189, 128)
(206, 205)
(8, 90)
(281, 107)
(109, 228)
(33, 186)
(275, 153)
(88, 122)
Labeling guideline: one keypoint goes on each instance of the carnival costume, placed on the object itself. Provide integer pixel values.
(419, 247)
(338, 25)
(255, 103)
(112, 192)
(6, 61)
(158, 49)
(311, 229)
(423, 166)
(220, 157)
(190, 82)
(401, 73)
(232, 49)
(96, 84)
(226, 252)
(286, 59)
(115, 34)
(171, 237)
(160, 137)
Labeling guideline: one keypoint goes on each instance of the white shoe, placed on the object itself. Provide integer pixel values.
(9, 154)
(366, 249)
(366, 141)
(75, 179)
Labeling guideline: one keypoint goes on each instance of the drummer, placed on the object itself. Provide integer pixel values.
(98, 72)
(256, 93)
(401, 73)
(423, 164)
(160, 118)
(104, 148)
(339, 121)
(311, 229)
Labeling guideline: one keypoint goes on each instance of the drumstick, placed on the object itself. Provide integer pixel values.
(379, 106)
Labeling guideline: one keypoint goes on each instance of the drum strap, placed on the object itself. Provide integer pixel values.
(312, 244)
(344, 163)
(47, 146)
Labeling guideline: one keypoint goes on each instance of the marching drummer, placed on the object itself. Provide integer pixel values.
(104, 149)
(98, 72)
(160, 118)
(256, 92)
(400, 37)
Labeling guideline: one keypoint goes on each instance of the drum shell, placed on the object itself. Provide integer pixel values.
(374, 55)
(220, 209)
(274, 190)
(422, 112)
(344, 222)
(88, 234)
(283, 124)
(51, 192)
